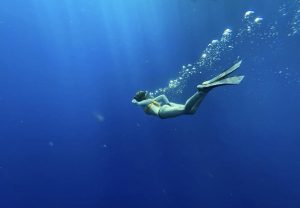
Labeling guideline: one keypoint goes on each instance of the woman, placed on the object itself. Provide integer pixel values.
(160, 106)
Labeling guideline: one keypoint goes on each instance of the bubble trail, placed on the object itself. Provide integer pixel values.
(253, 31)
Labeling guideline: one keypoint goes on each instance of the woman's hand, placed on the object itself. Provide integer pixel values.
(134, 101)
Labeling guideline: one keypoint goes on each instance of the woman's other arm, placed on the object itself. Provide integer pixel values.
(163, 99)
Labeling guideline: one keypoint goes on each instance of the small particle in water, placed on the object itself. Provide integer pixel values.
(258, 20)
(183, 67)
(104, 146)
(189, 65)
(99, 117)
(248, 14)
(280, 72)
(211, 175)
(204, 55)
(51, 144)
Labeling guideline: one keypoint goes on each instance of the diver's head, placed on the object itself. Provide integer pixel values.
(141, 95)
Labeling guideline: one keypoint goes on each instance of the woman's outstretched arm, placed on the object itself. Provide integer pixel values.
(143, 102)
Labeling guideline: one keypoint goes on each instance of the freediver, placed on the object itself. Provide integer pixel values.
(161, 107)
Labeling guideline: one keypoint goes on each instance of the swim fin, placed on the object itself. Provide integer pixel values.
(224, 74)
(222, 80)
(227, 81)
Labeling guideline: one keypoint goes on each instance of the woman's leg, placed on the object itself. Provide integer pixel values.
(170, 111)
(193, 102)
(190, 107)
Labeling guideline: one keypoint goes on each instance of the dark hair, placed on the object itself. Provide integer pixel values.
(140, 95)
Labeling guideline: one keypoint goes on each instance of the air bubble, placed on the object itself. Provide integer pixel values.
(214, 41)
(258, 20)
(248, 14)
(227, 32)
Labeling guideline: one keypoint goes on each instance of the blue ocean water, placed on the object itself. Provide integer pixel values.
(70, 136)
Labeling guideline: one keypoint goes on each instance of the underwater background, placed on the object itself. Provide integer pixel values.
(70, 136)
